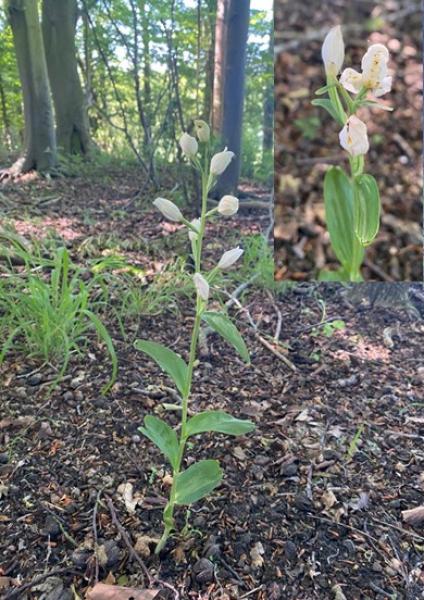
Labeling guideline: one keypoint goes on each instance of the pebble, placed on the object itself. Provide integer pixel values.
(68, 396)
(303, 503)
(290, 550)
(35, 379)
(20, 392)
(4, 458)
(203, 570)
(51, 528)
(136, 439)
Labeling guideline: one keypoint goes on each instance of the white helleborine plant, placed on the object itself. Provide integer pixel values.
(191, 483)
(352, 202)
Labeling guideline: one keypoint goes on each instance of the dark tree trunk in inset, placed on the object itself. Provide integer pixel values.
(59, 23)
(237, 29)
(40, 144)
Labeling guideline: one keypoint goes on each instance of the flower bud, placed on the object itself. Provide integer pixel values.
(221, 161)
(333, 51)
(168, 209)
(228, 206)
(229, 258)
(202, 130)
(188, 145)
(202, 286)
(353, 137)
(193, 236)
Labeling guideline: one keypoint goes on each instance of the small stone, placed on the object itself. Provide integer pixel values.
(21, 392)
(35, 379)
(290, 550)
(289, 470)
(79, 396)
(136, 439)
(80, 557)
(4, 458)
(303, 503)
(203, 570)
(51, 528)
(68, 396)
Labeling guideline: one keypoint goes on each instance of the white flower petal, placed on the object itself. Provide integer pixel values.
(229, 258)
(228, 205)
(353, 137)
(202, 286)
(351, 80)
(220, 161)
(384, 87)
(169, 210)
(333, 51)
(189, 145)
(374, 66)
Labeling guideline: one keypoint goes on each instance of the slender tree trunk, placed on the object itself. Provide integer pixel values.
(219, 66)
(268, 117)
(234, 88)
(146, 54)
(40, 142)
(59, 23)
(210, 59)
(5, 115)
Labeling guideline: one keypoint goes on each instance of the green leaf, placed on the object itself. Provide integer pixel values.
(197, 481)
(338, 199)
(329, 107)
(226, 328)
(168, 360)
(220, 421)
(324, 89)
(366, 209)
(161, 434)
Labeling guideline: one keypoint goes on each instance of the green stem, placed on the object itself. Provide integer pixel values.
(168, 515)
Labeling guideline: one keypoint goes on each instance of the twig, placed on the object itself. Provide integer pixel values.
(95, 538)
(127, 541)
(247, 594)
(18, 591)
(278, 354)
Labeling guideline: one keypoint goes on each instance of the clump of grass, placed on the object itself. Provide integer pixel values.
(50, 318)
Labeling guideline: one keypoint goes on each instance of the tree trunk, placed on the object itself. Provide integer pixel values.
(59, 23)
(268, 117)
(5, 115)
(235, 45)
(210, 60)
(219, 65)
(40, 143)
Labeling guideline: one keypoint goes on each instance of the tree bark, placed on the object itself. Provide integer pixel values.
(59, 23)
(219, 64)
(40, 142)
(235, 46)
(268, 115)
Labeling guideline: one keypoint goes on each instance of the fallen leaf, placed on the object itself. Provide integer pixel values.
(328, 499)
(256, 555)
(413, 516)
(102, 591)
(142, 545)
(130, 500)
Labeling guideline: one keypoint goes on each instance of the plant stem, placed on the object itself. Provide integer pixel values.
(169, 509)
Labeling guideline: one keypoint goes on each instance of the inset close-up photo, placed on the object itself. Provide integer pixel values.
(348, 148)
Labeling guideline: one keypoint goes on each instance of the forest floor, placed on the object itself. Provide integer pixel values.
(311, 503)
(307, 141)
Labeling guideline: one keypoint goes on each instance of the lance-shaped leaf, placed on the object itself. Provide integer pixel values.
(168, 360)
(197, 481)
(161, 434)
(226, 329)
(338, 199)
(219, 421)
(329, 107)
(366, 209)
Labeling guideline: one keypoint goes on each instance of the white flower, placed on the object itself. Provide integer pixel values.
(228, 206)
(374, 76)
(221, 161)
(168, 209)
(202, 286)
(333, 51)
(188, 145)
(353, 137)
(193, 236)
(203, 130)
(229, 258)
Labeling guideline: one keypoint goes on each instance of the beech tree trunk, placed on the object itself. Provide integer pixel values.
(59, 23)
(219, 64)
(40, 143)
(268, 116)
(235, 45)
